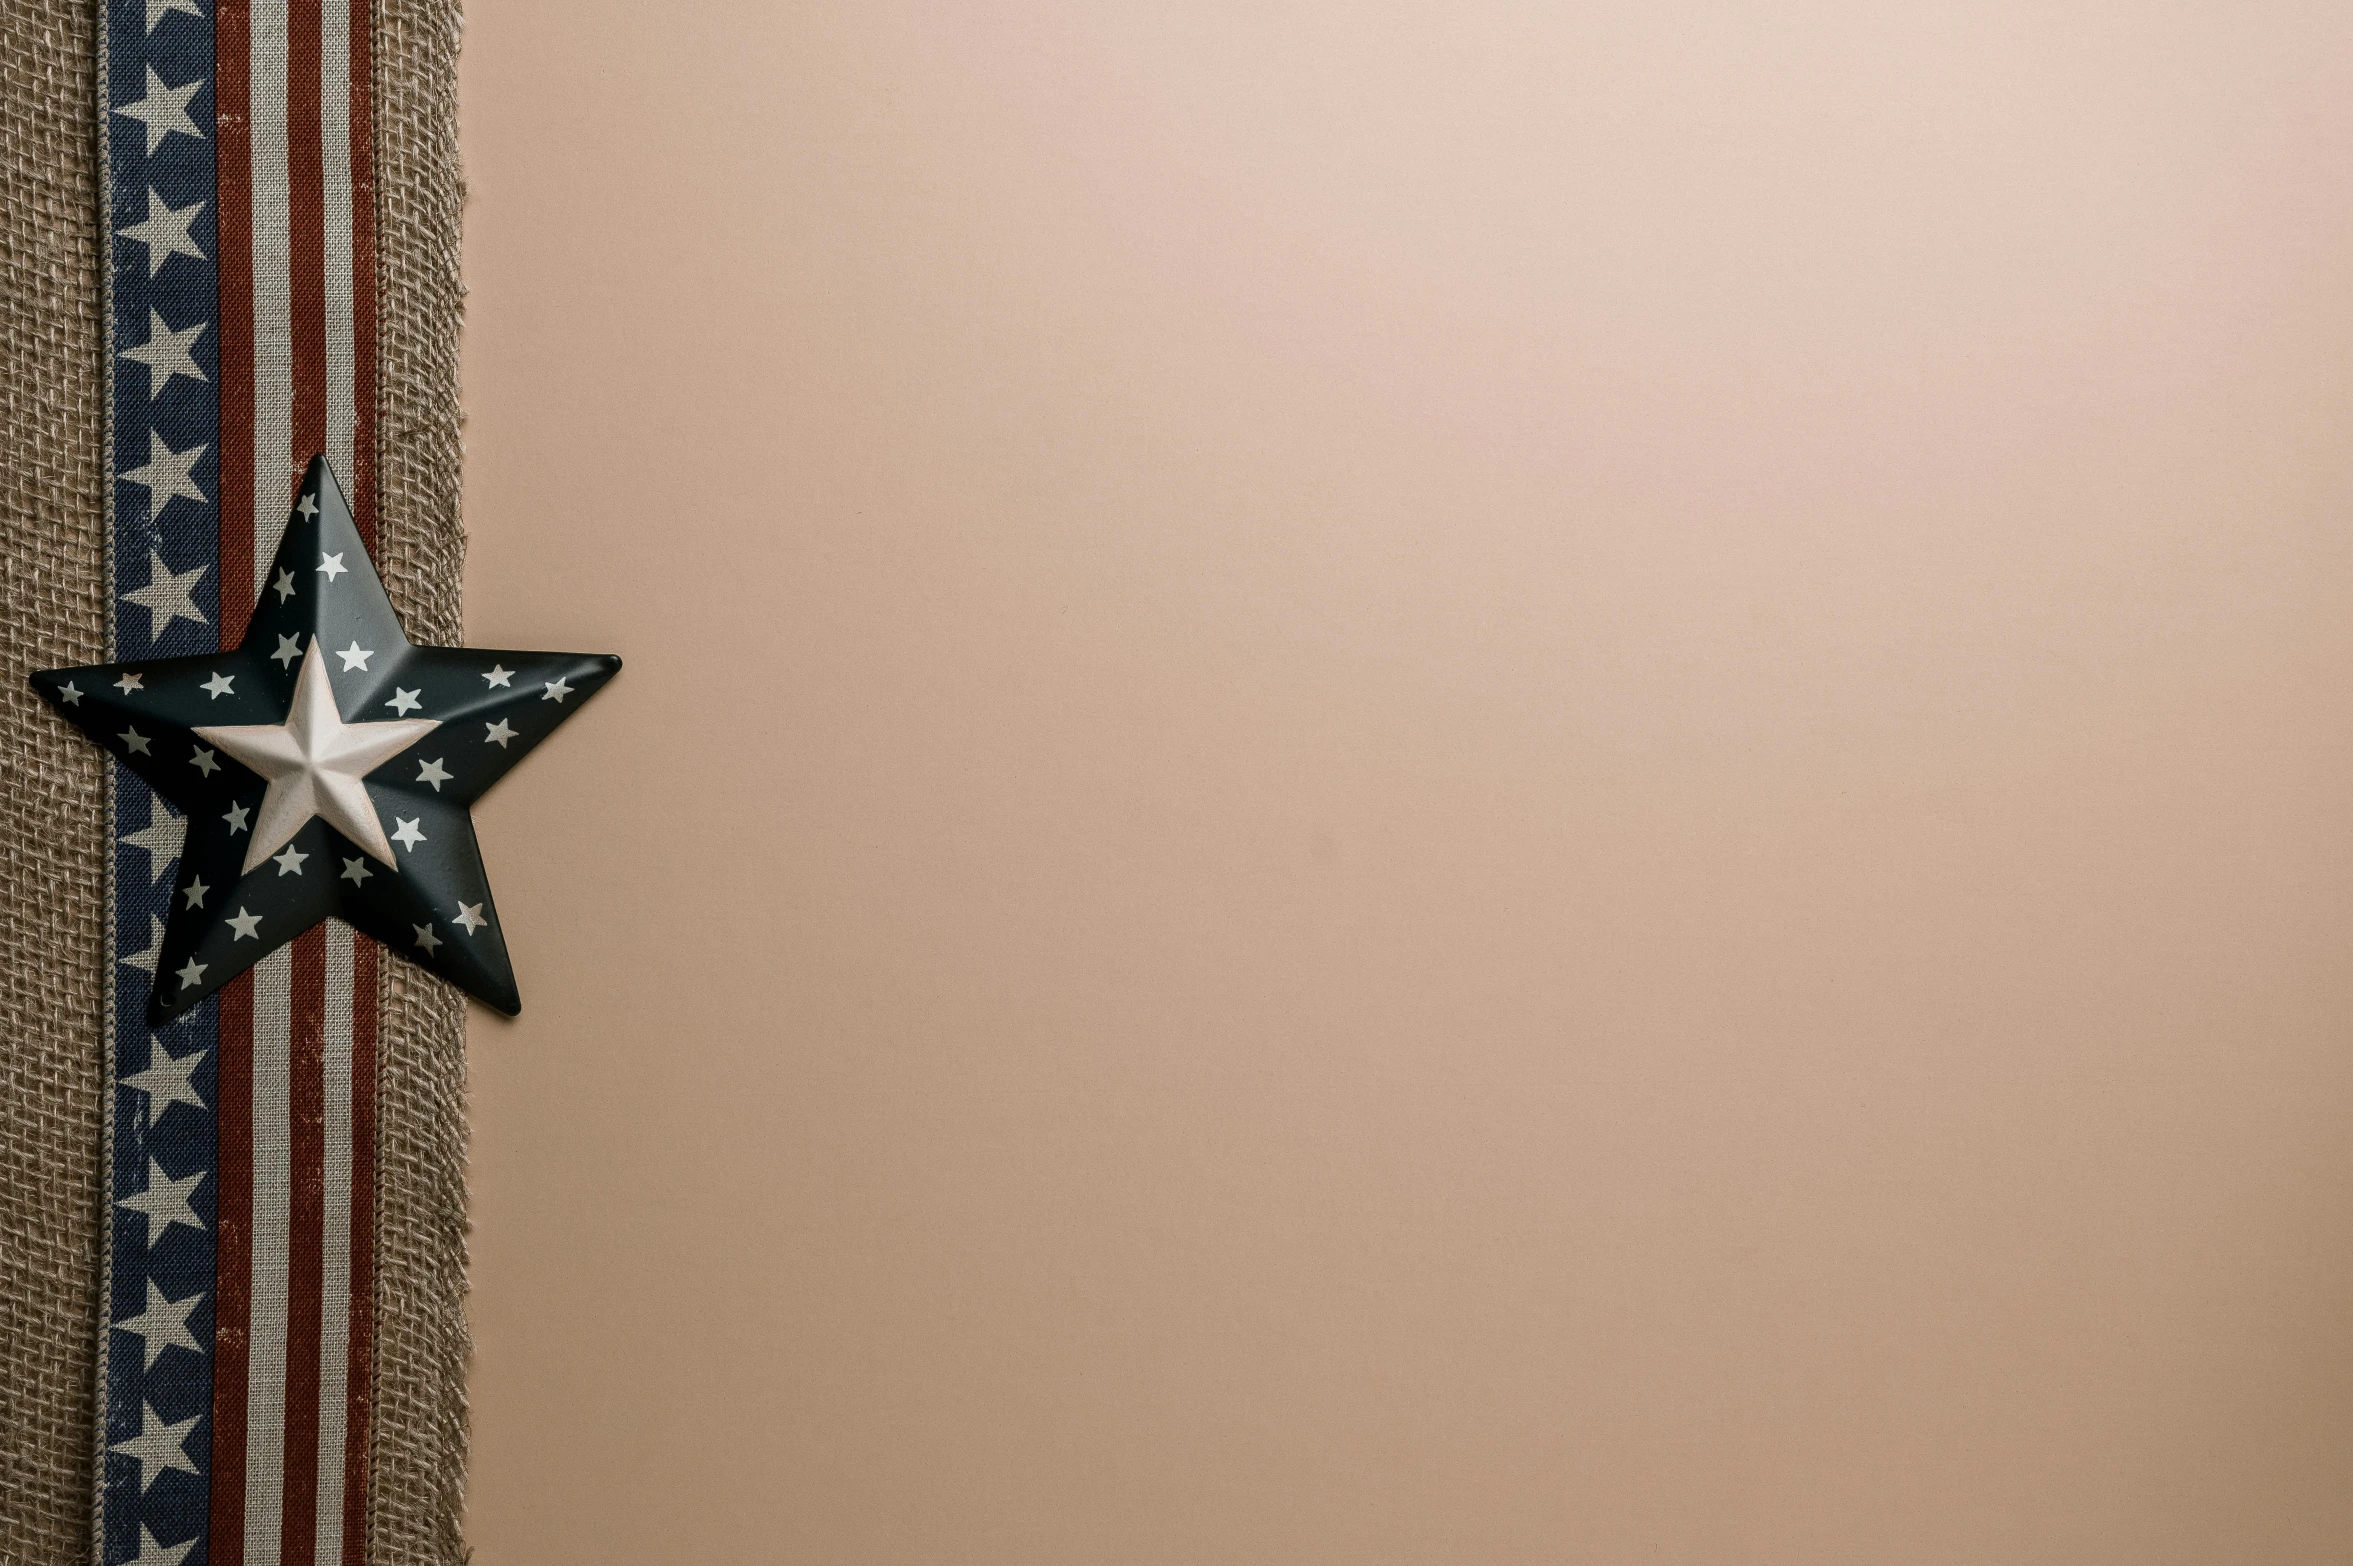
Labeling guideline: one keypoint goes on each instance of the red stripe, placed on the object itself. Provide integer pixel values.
(233, 214)
(359, 1388)
(307, 235)
(233, 1268)
(363, 315)
(305, 1222)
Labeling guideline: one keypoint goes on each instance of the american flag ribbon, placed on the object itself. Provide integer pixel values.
(235, 1354)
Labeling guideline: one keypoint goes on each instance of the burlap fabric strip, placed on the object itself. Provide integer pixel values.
(52, 612)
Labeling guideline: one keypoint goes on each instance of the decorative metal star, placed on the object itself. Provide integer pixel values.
(324, 767)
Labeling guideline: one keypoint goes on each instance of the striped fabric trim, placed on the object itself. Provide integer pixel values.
(239, 1434)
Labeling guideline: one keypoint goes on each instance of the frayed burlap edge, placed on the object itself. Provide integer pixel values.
(52, 842)
(52, 829)
(418, 1461)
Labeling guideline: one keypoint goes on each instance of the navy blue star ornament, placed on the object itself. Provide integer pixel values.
(324, 767)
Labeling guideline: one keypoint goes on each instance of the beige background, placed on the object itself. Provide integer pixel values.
(1480, 782)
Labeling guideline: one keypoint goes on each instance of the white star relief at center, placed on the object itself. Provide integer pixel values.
(314, 763)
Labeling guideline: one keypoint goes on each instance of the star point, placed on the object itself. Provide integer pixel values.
(157, 10)
(162, 837)
(147, 959)
(168, 596)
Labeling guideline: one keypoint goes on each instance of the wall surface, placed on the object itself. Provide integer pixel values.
(1513, 781)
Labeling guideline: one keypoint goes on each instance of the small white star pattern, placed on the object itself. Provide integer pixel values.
(331, 566)
(289, 649)
(165, 1202)
(135, 742)
(164, 111)
(163, 1324)
(205, 761)
(431, 772)
(191, 974)
(195, 893)
(407, 834)
(469, 917)
(165, 232)
(499, 734)
(354, 657)
(220, 685)
(557, 690)
(166, 475)
(237, 816)
(289, 862)
(158, 1447)
(70, 693)
(166, 1081)
(404, 702)
(283, 586)
(247, 925)
(426, 940)
(355, 871)
(168, 595)
(129, 683)
(167, 353)
(500, 674)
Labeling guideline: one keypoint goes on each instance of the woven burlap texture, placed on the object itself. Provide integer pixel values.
(52, 843)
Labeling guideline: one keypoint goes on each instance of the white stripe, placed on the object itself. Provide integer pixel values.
(335, 1245)
(273, 319)
(273, 1151)
(335, 172)
(273, 976)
